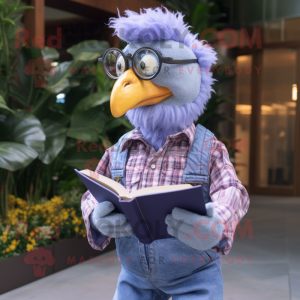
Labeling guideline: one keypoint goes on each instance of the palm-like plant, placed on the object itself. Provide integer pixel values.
(38, 136)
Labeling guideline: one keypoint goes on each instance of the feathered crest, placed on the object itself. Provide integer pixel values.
(150, 25)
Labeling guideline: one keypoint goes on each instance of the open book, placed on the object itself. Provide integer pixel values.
(145, 209)
(120, 190)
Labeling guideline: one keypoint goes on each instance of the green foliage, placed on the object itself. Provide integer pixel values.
(38, 135)
(9, 14)
(200, 14)
(93, 48)
(31, 226)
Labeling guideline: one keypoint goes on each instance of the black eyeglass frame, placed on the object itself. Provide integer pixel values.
(162, 59)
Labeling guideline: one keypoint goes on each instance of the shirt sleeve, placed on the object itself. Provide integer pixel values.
(230, 197)
(97, 240)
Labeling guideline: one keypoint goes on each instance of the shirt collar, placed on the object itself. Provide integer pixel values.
(189, 132)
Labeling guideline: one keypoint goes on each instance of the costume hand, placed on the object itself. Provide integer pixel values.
(111, 224)
(199, 232)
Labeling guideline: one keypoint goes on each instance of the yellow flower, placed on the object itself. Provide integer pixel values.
(33, 242)
(29, 238)
(12, 247)
(36, 230)
(29, 247)
(31, 233)
(76, 229)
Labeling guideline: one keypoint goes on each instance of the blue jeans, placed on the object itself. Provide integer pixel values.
(167, 268)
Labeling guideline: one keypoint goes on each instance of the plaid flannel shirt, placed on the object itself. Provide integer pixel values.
(146, 168)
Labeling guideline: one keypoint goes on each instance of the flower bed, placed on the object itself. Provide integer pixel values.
(31, 226)
(22, 269)
(37, 240)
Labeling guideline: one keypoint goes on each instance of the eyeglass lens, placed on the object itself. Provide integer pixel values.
(146, 63)
(114, 63)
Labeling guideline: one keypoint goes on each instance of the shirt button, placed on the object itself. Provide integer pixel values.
(153, 166)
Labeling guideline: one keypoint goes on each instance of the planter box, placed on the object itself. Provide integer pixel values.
(23, 269)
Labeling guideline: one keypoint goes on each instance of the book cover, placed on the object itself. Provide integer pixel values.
(147, 213)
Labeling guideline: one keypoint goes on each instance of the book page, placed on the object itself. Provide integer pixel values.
(107, 182)
(154, 190)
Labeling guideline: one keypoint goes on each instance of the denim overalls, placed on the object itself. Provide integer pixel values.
(168, 267)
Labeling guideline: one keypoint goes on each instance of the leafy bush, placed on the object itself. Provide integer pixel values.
(28, 227)
(40, 131)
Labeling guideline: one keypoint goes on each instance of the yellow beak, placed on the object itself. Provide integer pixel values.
(131, 92)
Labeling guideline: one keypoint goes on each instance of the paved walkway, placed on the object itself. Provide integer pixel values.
(273, 272)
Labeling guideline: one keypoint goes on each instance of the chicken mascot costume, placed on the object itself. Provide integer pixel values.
(163, 82)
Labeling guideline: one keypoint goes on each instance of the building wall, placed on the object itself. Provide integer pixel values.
(256, 11)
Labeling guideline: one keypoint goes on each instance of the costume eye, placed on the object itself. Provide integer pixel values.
(120, 65)
(142, 65)
(149, 64)
(114, 63)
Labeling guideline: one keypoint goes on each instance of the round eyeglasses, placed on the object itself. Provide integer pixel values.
(146, 62)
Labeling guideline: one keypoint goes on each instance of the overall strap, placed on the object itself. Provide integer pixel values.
(197, 166)
(119, 159)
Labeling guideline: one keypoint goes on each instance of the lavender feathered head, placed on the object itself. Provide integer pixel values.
(171, 115)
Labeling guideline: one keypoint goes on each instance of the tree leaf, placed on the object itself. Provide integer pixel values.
(3, 104)
(50, 53)
(55, 141)
(23, 8)
(10, 32)
(19, 97)
(15, 156)
(104, 83)
(79, 157)
(88, 50)
(26, 130)
(25, 56)
(16, 17)
(118, 122)
(91, 101)
(8, 21)
(86, 125)
(59, 81)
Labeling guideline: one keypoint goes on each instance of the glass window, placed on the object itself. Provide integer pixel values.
(279, 95)
(242, 118)
(292, 29)
(272, 32)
